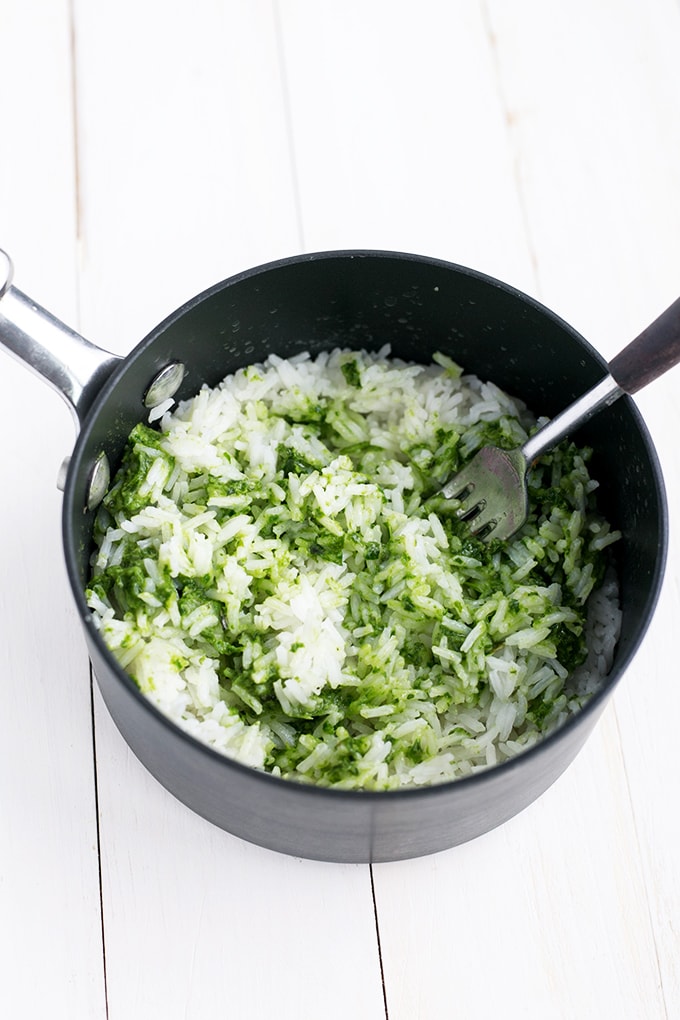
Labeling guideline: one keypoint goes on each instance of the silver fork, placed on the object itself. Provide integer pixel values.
(491, 490)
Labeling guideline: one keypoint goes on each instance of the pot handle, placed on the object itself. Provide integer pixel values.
(73, 366)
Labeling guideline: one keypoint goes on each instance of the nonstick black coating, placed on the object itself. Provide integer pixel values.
(417, 306)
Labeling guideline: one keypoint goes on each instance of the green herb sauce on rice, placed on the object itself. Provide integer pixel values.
(277, 572)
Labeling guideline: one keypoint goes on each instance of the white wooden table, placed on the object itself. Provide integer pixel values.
(149, 148)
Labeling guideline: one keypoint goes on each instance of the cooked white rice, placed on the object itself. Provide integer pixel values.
(278, 575)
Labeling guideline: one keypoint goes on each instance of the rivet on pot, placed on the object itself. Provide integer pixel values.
(98, 483)
(61, 474)
(165, 384)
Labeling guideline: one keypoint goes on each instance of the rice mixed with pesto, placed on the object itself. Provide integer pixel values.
(276, 571)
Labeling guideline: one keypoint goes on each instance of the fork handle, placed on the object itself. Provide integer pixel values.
(549, 435)
(647, 357)
(652, 353)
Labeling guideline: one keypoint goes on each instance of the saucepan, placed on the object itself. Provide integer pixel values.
(360, 300)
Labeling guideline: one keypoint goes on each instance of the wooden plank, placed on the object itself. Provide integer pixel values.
(428, 157)
(185, 177)
(185, 173)
(555, 902)
(543, 917)
(592, 97)
(198, 921)
(400, 139)
(50, 934)
(569, 908)
(603, 137)
(645, 705)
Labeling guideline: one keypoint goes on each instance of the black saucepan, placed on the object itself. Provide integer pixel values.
(357, 299)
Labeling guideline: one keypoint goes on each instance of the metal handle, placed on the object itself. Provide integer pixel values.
(578, 413)
(73, 366)
(642, 361)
